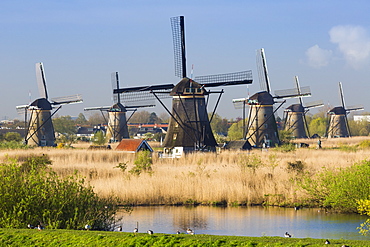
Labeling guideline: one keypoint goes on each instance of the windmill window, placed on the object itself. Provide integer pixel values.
(266, 125)
(265, 115)
(174, 136)
(176, 125)
(43, 137)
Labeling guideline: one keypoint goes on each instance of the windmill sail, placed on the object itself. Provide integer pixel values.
(41, 80)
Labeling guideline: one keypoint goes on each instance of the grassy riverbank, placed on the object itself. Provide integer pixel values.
(234, 178)
(31, 237)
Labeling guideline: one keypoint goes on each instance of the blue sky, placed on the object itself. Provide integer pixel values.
(81, 42)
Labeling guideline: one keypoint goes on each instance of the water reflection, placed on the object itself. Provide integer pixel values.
(245, 221)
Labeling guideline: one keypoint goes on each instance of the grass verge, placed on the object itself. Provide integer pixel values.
(31, 237)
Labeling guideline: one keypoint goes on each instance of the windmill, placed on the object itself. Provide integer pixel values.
(189, 126)
(40, 130)
(117, 122)
(261, 127)
(295, 115)
(338, 122)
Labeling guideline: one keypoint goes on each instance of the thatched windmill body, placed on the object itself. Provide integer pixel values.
(117, 120)
(261, 127)
(40, 130)
(189, 126)
(338, 122)
(295, 115)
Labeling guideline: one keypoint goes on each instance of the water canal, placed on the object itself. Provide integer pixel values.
(245, 221)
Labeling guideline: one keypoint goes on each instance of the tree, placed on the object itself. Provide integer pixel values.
(318, 126)
(140, 117)
(219, 125)
(164, 117)
(81, 119)
(99, 138)
(97, 118)
(236, 131)
(66, 126)
(153, 118)
(12, 136)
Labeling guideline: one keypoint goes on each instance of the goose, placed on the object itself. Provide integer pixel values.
(136, 230)
(287, 235)
(189, 231)
(150, 232)
(327, 242)
(119, 228)
(87, 227)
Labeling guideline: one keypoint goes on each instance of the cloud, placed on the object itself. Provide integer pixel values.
(353, 42)
(318, 57)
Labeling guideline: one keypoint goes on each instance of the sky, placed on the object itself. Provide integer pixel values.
(81, 42)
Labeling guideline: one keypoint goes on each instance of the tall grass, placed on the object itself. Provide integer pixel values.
(228, 177)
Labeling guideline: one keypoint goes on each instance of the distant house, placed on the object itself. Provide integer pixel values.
(133, 145)
(238, 145)
(89, 131)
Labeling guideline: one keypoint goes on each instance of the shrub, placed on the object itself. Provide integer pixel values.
(364, 208)
(297, 166)
(143, 163)
(364, 144)
(340, 189)
(31, 193)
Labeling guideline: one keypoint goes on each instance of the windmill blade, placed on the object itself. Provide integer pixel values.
(100, 108)
(178, 35)
(115, 85)
(72, 99)
(314, 104)
(341, 95)
(21, 109)
(139, 106)
(292, 93)
(144, 88)
(237, 78)
(41, 81)
(262, 71)
(298, 88)
(355, 108)
(239, 103)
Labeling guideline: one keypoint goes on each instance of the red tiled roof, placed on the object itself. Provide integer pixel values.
(131, 145)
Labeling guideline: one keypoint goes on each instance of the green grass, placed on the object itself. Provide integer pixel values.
(31, 237)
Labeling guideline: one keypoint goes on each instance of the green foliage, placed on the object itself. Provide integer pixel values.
(13, 145)
(236, 131)
(340, 189)
(99, 138)
(12, 136)
(143, 163)
(318, 126)
(364, 208)
(364, 144)
(67, 129)
(219, 125)
(249, 162)
(285, 136)
(288, 147)
(31, 193)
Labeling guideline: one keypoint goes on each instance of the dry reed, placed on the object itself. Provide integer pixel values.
(233, 177)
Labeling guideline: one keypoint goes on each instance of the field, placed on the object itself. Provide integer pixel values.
(27, 237)
(256, 177)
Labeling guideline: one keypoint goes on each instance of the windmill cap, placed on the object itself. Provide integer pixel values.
(42, 104)
(263, 98)
(185, 83)
(339, 110)
(295, 108)
(118, 107)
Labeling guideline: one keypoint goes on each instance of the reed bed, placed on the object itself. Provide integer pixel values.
(254, 177)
